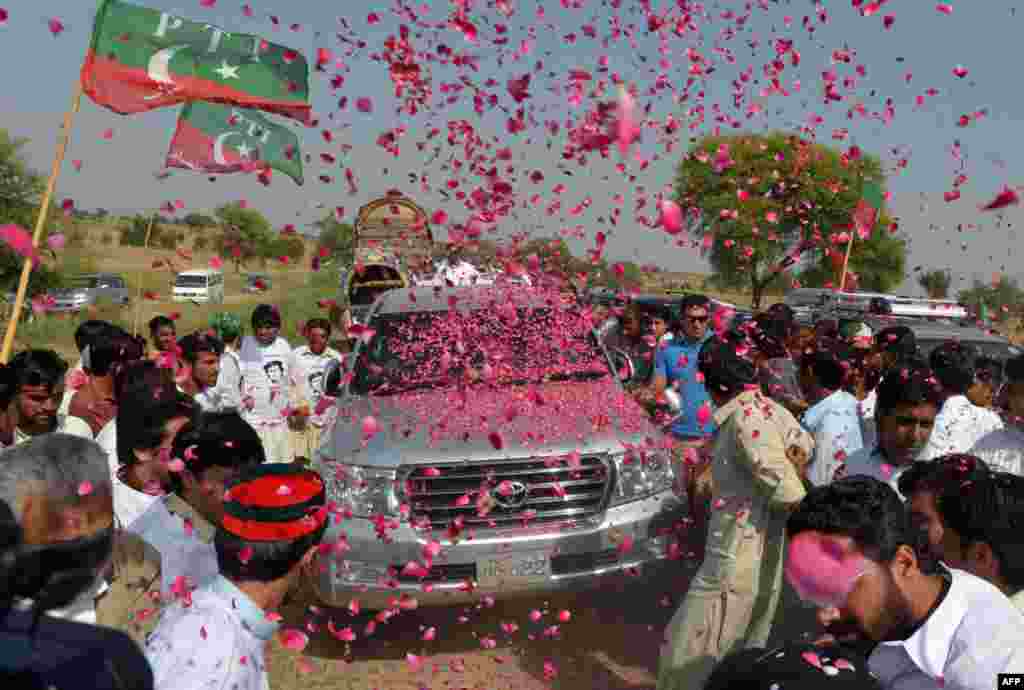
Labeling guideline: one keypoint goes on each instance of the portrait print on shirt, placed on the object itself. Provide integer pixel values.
(275, 372)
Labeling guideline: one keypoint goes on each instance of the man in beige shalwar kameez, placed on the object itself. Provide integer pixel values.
(759, 456)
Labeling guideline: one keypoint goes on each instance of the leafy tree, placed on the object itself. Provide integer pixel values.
(879, 262)
(198, 220)
(935, 283)
(338, 238)
(245, 234)
(134, 234)
(993, 301)
(760, 195)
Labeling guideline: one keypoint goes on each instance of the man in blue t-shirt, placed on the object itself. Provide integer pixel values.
(675, 365)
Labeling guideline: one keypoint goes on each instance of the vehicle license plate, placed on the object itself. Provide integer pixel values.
(513, 569)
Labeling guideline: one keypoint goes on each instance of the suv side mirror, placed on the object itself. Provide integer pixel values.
(333, 376)
(623, 364)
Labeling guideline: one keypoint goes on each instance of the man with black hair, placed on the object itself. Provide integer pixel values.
(772, 334)
(983, 522)
(163, 333)
(988, 377)
(31, 388)
(84, 335)
(925, 481)
(891, 346)
(274, 518)
(760, 453)
(908, 402)
(205, 455)
(960, 423)
(308, 364)
(854, 553)
(1003, 449)
(265, 378)
(832, 418)
(94, 404)
(202, 352)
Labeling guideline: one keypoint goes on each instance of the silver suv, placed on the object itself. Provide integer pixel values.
(484, 445)
(87, 290)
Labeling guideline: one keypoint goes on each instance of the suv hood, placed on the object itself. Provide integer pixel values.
(481, 424)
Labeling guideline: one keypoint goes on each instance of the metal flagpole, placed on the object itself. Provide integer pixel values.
(44, 207)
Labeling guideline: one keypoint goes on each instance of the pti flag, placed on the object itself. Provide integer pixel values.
(223, 139)
(866, 214)
(140, 59)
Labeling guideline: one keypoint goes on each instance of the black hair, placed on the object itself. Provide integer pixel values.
(158, 322)
(785, 668)
(911, 383)
(30, 368)
(111, 349)
(264, 315)
(263, 561)
(826, 328)
(783, 311)
(694, 302)
(215, 439)
(770, 332)
(147, 398)
(953, 364)
(899, 340)
(828, 365)
(195, 343)
(322, 324)
(87, 331)
(724, 370)
(988, 370)
(946, 472)
(866, 510)
(1014, 369)
(990, 511)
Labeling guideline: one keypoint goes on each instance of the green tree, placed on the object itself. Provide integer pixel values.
(198, 220)
(21, 189)
(337, 238)
(760, 195)
(879, 262)
(134, 233)
(935, 283)
(993, 301)
(245, 234)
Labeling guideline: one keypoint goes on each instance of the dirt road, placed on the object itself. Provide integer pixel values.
(610, 642)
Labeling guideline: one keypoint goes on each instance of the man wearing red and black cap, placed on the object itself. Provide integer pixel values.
(274, 517)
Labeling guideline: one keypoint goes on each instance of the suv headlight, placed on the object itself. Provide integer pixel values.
(366, 491)
(642, 474)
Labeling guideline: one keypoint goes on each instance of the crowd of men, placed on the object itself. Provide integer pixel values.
(155, 497)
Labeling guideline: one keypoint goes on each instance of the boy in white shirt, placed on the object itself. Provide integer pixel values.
(308, 364)
(266, 402)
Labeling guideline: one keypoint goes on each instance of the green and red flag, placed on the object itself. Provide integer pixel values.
(215, 138)
(141, 59)
(866, 214)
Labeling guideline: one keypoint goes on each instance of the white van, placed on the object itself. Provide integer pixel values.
(206, 285)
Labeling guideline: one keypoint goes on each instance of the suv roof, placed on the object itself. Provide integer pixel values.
(426, 299)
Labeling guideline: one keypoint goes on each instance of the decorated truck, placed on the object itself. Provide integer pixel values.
(392, 240)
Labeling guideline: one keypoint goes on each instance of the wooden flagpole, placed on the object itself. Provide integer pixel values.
(138, 293)
(44, 207)
(846, 261)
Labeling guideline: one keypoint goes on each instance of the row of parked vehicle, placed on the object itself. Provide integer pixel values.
(90, 289)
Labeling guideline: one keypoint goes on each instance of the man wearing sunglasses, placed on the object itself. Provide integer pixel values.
(855, 554)
(675, 366)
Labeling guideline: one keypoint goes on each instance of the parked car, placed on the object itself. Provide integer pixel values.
(86, 290)
(205, 285)
(578, 488)
(257, 282)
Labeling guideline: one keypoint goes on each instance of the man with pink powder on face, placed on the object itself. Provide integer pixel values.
(855, 554)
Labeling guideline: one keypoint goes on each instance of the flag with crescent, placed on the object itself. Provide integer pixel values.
(141, 59)
(215, 138)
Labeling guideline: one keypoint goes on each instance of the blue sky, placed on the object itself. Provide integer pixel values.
(38, 72)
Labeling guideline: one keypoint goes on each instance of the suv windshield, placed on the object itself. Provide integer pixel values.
(190, 281)
(506, 345)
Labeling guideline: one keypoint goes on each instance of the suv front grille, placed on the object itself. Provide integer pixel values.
(520, 491)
